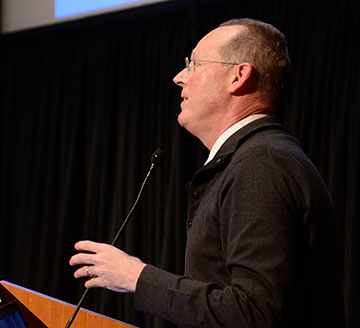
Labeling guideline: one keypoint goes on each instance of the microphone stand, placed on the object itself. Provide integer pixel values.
(157, 158)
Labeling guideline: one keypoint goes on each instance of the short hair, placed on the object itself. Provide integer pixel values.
(265, 48)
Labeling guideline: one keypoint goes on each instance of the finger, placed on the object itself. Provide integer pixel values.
(93, 282)
(81, 272)
(89, 246)
(82, 258)
(85, 271)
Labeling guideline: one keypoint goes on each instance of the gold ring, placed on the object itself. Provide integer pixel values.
(87, 271)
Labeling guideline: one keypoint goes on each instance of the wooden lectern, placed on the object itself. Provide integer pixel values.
(40, 311)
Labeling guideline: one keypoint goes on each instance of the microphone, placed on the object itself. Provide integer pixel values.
(156, 160)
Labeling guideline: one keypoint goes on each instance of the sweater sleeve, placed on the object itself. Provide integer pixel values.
(182, 300)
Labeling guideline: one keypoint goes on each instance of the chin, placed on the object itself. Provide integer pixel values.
(181, 120)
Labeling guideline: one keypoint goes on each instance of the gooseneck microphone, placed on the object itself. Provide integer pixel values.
(156, 160)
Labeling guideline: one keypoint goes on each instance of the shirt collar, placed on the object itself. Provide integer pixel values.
(229, 132)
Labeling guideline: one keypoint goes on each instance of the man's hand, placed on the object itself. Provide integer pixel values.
(107, 266)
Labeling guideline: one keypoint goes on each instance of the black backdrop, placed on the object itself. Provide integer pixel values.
(84, 104)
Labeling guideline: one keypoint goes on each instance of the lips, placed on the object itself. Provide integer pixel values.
(183, 94)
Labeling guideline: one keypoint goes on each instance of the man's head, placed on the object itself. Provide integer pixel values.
(223, 81)
(265, 48)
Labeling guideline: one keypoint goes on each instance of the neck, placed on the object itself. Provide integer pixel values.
(229, 118)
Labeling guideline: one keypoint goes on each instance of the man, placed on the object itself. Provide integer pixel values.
(260, 219)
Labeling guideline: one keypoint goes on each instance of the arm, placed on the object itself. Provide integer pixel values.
(258, 229)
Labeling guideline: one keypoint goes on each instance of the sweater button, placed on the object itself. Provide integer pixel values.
(189, 224)
(196, 195)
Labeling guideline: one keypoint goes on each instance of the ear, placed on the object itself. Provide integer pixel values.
(240, 77)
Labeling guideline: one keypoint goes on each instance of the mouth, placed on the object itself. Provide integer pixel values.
(184, 98)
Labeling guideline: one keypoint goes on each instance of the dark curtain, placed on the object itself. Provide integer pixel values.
(84, 104)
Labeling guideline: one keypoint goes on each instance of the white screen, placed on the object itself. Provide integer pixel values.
(23, 14)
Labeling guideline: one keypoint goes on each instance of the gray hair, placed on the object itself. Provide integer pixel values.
(265, 48)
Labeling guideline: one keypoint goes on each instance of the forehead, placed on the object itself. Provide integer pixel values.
(216, 38)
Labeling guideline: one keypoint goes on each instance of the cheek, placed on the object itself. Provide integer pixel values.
(208, 80)
(205, 91)
(200, 86)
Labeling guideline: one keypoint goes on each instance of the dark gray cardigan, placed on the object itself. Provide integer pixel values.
(260, 240)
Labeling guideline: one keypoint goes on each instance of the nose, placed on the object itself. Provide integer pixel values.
(181, 77)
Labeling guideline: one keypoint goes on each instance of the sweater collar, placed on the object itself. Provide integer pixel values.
(229, 132)
(233, 142)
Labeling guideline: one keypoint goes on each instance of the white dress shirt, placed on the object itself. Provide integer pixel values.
(229, 132)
